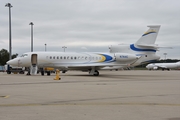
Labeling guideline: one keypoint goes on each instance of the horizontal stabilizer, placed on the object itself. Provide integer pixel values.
(148, 45)
(153, 46)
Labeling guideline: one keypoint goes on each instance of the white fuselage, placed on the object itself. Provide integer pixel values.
(86, 60)
(163, 65)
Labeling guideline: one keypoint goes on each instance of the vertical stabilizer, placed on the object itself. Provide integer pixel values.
(149, 37)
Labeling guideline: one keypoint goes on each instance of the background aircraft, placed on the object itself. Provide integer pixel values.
(163, 66)
(119, 56)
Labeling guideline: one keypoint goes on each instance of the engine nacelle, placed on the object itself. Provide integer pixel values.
(155, 68)
(123, 57)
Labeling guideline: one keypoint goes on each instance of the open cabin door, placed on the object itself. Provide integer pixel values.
(34, 59)
(34, 64)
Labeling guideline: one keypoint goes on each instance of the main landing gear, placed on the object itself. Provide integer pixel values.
(94, 72)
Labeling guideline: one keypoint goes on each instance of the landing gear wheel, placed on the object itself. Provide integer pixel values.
(96, 73)
(8, 72)
(42, 73)
(48, 73)
(28, 73)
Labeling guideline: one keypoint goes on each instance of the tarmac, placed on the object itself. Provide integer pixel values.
(113, 95)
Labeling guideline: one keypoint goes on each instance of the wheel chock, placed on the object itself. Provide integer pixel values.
(57, 75)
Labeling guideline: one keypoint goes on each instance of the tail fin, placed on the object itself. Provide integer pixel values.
(148, 38)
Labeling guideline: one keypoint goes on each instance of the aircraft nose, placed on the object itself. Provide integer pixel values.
(147, 66)
(13, 62)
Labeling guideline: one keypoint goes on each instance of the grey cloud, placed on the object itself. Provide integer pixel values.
(68, 22)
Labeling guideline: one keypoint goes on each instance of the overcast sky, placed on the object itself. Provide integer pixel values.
(88, 25)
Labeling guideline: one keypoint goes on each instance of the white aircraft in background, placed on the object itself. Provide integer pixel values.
(163, 66)
(119, 56)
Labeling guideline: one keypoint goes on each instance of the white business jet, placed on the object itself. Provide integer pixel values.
(119, 56)
(163, 66)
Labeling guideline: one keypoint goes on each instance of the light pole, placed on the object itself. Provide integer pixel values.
(45, 46)
(31, 23)
(64, 47)
(10, 45)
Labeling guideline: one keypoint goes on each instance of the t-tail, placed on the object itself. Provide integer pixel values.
(146, 43)
(146, 47)
(148, 38)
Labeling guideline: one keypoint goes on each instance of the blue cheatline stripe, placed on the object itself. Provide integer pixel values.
(142, 50)
(108, 58)
(148, 33)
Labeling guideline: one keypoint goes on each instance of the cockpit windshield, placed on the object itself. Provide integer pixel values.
(24, 55)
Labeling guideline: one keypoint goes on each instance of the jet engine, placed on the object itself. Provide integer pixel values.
(123, 57)
(155, 68)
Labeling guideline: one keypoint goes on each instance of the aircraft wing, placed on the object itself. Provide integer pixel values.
(83, 66)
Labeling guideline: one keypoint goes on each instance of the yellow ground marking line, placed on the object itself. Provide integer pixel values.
(6, 96)
(92, 104)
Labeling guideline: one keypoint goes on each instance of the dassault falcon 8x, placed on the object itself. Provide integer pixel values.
(119, 56)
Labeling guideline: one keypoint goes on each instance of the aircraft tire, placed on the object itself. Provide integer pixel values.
(21, 72)
(96, 73)
(8, 72)
(28, 73)
(42, 73)
(48, 73)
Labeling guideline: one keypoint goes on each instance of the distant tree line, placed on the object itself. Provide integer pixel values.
(4, 56)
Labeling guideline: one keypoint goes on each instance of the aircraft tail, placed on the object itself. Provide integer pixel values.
(148, 38)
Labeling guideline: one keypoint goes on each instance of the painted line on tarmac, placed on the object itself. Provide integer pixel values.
(91, 104)
(6, 96)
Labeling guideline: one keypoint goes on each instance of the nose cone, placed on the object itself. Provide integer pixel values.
(147, 66)
(13, 62)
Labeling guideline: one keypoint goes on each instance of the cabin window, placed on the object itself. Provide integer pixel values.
(64, 57)
(50, 57)
(54, 57)
(71, 57)
(24, 55)
(74, 57)
(61, 57)
(145, 55)
(57, 57)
